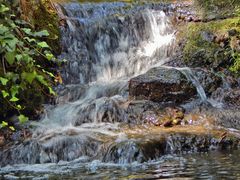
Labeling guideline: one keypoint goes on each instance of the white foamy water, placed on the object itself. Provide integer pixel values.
(104, 96)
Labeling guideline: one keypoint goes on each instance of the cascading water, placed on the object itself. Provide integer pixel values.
(121, 47)
(104, 49)
(105, 45)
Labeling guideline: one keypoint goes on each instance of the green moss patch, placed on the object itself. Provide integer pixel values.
(210, 43)
(43, 16)
(217, 8)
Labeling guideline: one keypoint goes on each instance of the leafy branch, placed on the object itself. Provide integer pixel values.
(22, 51)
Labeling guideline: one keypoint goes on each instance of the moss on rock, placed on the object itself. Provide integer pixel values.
(211, 43)
(217, 8)
(43, 16)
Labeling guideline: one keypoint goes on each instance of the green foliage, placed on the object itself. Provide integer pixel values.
(210, 52)
(236, 55)
(236, 66)
(22, 55)
(44, 16)
(217, 8)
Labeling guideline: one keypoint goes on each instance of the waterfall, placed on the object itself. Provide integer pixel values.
(106, 45)
(115, 49)
(96, 120)
(189, 74)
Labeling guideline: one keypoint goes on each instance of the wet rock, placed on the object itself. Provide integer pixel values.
(227, 117)
(198, 58)
(164, 85)
(232, 98)
(50, 149)
(101, 110)
(232, 32)
(140, 150)
(151, 117)
(175, 113)
(26, 152)
(69, 93)
(168, 123)
(173, 117)
(209, 80)
(235, 44)
(177, 143)
(151, 147)
(207, 36)
(143, 111)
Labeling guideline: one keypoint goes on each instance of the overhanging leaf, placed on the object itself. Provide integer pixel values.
(10, 57)
(12, 42)
(14, 90)
(3, 81)
(27, 31)
(49, 56)
(51, 91)
(5, 94)
(41, 33)
(29, 77)
(43, 45)
(3, 8)
(22, 119)
(41, 80)
(12, 128)
(19, 107)
(4, 124)
(14, 99)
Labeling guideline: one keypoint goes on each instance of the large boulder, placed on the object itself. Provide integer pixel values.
(162, 84)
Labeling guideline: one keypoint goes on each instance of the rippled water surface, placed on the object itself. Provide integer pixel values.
(214, 165)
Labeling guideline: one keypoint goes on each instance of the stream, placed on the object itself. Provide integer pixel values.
(100, 127)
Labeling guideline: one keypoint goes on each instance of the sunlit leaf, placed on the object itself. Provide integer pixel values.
(22, 119)
(49, 73)
(41, 33)
(29, 77)
(19, 107)
(3, 29)
(49, 56)
(27, 31)
(14, 99)
(51, 91)
(43, 45)
(5, 94)
(4, 124)
(3, 81)
(11, 128)
(41, 80)
(3, 8)
(19, 57)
